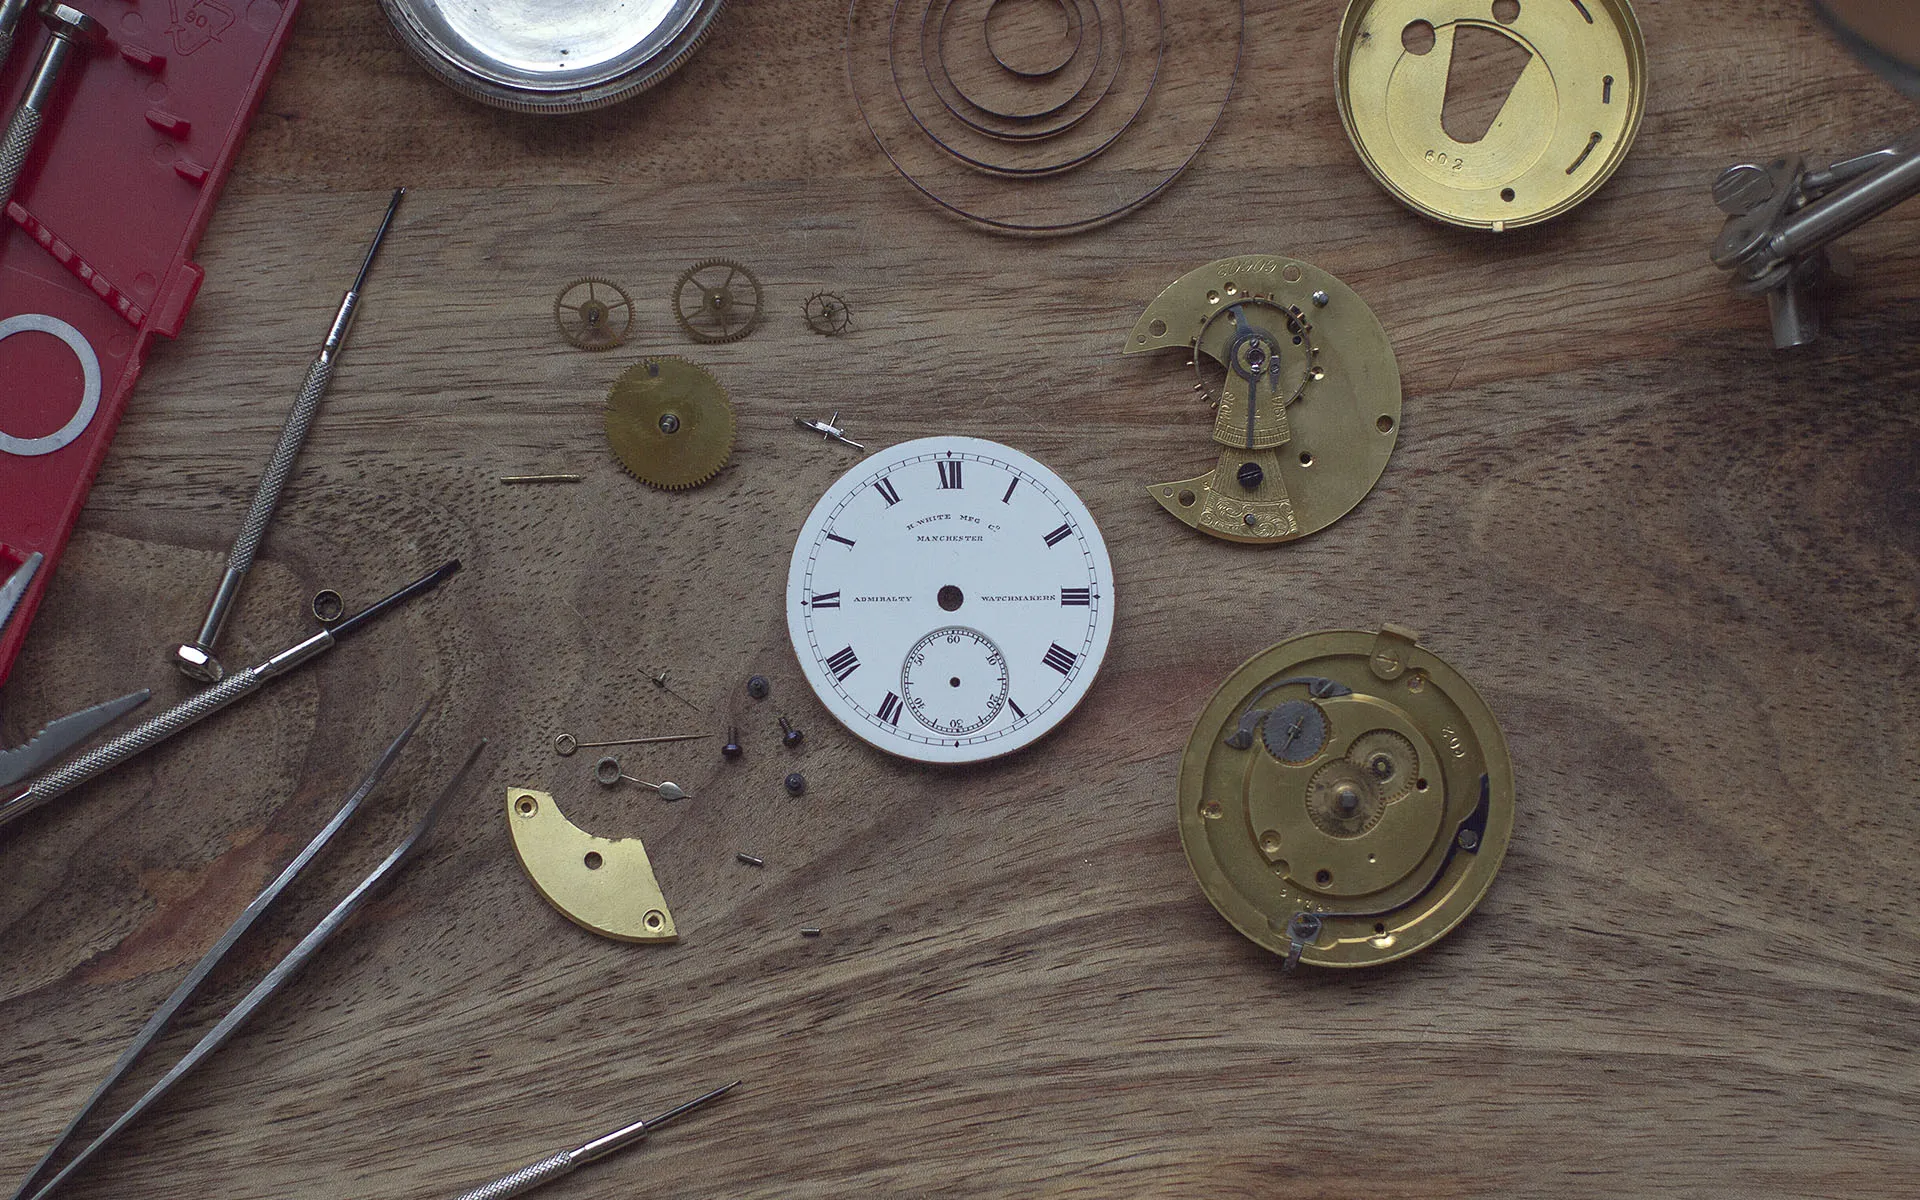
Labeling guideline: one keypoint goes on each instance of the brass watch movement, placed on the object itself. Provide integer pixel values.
(1304, 388)
(1346, 798)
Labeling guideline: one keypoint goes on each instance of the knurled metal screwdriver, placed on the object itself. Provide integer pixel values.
(195, 659)
(201, 705)
(564, 1162)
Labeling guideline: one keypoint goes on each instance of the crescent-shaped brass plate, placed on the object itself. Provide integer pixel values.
(1348, 795)
(602, 884)
(1305, 389)
(1563, 129)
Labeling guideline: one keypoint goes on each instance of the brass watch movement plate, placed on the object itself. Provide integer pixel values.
(1304, 388)
(1346, 798)
(1562, 130)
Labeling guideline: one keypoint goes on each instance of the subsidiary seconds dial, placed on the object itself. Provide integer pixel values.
(950, 599)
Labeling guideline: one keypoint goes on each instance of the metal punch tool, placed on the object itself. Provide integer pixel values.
(565, 1162)
(17, 802)
(195, 659)
(63, 734)
(43, 1180)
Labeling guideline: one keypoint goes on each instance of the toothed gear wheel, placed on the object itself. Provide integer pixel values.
(1343, 801)
(1387, 759)
(827, 314)
(593, 313)
(717, 300)
(669, 423)
(1295, 731)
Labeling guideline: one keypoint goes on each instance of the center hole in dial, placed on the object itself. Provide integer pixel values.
(951, 599)
(954, 682)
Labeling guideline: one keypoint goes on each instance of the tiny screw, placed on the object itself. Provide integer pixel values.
(1468, 839)
(1320, 299)
(759, 688)
(797, 784)
(810, 931)
(732, 748)
(789, 734)
(752, 860)
(1250, 475)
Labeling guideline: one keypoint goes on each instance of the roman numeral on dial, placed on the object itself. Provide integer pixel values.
(1060, 535)
(846, 662)
(1008, 498)
(950, 475)
(832, 600)
(1058, 657)
(887, 492)
(834, 537)
(890, 709)
(1016, 709)
(1069, 598)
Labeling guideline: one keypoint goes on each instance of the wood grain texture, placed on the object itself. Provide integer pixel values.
(1679, 566)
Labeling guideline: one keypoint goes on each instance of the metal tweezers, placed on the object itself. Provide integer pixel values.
(262, 991)
(59, 736)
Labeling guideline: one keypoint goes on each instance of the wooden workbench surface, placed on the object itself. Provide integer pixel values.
(1679, 565)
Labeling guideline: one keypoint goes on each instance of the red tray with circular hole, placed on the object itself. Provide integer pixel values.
(96, 251)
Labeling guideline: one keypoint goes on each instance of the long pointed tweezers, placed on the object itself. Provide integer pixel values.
(274, 979)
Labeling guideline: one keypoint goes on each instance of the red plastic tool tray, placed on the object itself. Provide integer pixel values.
(96, 251)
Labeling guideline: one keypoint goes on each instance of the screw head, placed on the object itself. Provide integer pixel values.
(732, 748)
(790, 736)
(1250, 475)
(1321, 299)
(796, 784)
(759, 688)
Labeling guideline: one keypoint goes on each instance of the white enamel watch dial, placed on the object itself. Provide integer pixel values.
(950, 599)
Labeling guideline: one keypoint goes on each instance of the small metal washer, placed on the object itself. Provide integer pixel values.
(89, 385)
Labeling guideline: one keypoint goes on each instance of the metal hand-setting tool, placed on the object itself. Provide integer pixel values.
(201, 705)
(1782, 217)
(262, 991)
(63, 734)
(565, 1162)
(72, 30)
(608, 772)
(196, 658)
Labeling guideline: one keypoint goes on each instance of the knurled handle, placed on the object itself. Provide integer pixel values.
(21, 131)
(115, 751)
(525, 1179)
(293, 435)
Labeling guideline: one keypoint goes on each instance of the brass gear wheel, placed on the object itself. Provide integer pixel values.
(717, 300)
(593, 313)
(827, 314)
(669, 423)
(1343, 799)
(1389, 762)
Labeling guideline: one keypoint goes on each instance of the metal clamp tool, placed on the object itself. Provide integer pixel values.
(262, 991)
(61, 735)
(1783, 216)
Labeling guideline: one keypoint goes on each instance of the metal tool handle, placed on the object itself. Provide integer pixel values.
(525, 1179)
(293, 435)
(21, 131)
(109, 754)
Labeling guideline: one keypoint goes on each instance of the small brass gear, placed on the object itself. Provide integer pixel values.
(669, 423)
(1343, 800)
(827, 314)
(593, 313)
(717, 300)
(1388, 760)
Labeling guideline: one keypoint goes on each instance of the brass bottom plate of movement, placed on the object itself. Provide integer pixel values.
(603, 884)
(1563, 127)
(1346, 798)
(1305, 394)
